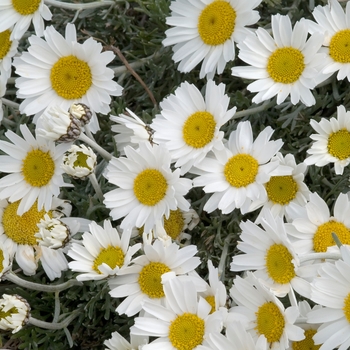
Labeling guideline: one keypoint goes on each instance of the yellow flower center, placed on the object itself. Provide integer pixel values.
(71, 77)
(199, 129)
(5, 43)
(281, 189)
(270, 322)
(150, 279)
(216, 23)
(150, 187)
(174, 224)
(21, 229)
(186, 332)
(112, 256)
(323, 236)
(285, 65)
(211, 301)
(26, 7)
(4, 314)
(81, 161)
(339, 144)
(339, 47)
(241, 170)
(307, 343)
(38, 168)
(279, 264)
(346, 307)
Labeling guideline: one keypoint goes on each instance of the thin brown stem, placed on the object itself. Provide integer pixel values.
(117, 51)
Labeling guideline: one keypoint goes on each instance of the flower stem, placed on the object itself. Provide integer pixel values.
(250, 111)
(222, 264)
(9, 103)
(54, 325)
(96, 186)
(135, 65)
(94, 145)
(69, 6)
(12, 277)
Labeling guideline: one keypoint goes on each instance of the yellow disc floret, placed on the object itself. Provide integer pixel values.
(307, 343)
(71, 77)
(174, 225)
(346, 307)
(198, 130)
(270, 322)
(339, 144)
(339, 46)
(241, 170)
(81, 160)
(211, 301)
(150, 187)
(216, 23)
(5, 43)
(150, 279)
(323, 236)
(279, 264)
(38, 168)
(285, 65)
(21, 229)
(281, 189)
(186, 332)
(112, 256)
(26, 7)
(4, 314)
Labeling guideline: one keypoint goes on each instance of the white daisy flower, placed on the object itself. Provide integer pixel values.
(57, 124)
(142, 280)
(52, 233)
(184, 323)
(335, 25)
(332, 290)
(269, 252)
(236, 338)
(131, 131)
(207, 30)
(189, 125)
(103, 252)
(21, 14)
(284, 189)
(332, 141)
(8, 49)
(239, 171)
(313, 225)
(265, 314)
(117, 342)
(283, 65)
(6, 256)
(21, 236)
(309, 329)
(3, 83)
(148, 189)
(79, 161)
(215, 293)
(60, 71)
(14, 312)
(176, 224)
(34, 170)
